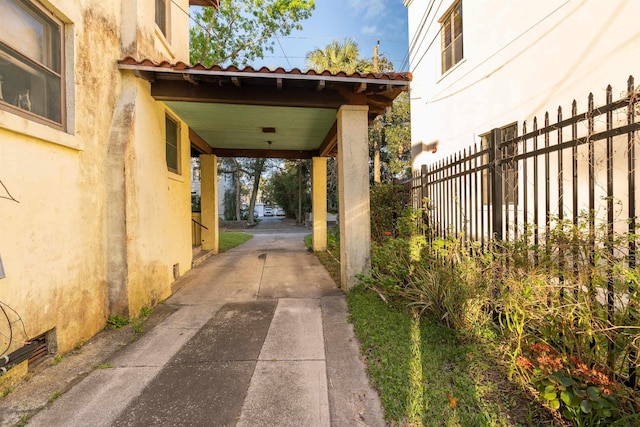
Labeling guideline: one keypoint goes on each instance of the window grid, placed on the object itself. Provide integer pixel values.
(31, 62)
(451, 30)
(172, 145)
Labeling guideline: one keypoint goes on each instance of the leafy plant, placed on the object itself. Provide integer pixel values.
(569, 286)
(145, 312)
(116, 321)
(238, 32)
(585, 396)
(55, 395)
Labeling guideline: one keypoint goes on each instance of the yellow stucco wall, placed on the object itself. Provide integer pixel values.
(99, 218)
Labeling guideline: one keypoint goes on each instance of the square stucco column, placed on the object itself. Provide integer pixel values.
(209, 201)
(319, 193)
(353, 179)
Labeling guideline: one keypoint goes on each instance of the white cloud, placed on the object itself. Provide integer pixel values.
(372, 8)
(369, 30)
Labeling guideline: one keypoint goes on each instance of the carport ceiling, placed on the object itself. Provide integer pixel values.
(235, 112)
(255, 127)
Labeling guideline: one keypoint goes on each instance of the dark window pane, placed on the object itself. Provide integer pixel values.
(457, 21)
(172, 144)
(161, 15)
(447, 34)
(28, 87)
(446, 60)
(458, 50)
(452, 52)
(30, 60)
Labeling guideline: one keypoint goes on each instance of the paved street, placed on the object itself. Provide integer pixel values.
(258, 337)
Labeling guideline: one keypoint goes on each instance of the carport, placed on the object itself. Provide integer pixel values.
(257, 113)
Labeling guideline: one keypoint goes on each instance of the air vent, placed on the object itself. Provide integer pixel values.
(268, 130)
(46, 346)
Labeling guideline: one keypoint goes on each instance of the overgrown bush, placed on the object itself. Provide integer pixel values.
(573, 293)
(388, 203)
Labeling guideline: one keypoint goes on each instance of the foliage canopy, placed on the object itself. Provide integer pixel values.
(241, 31)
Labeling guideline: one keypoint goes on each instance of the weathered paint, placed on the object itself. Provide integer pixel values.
(353, 182)
(101, 221)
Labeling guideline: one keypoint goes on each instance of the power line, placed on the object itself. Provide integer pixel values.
(414, 39)
(433, 19)
(283, 52)
(491, 56)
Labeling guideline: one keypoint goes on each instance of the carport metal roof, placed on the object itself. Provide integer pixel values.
(233, 112)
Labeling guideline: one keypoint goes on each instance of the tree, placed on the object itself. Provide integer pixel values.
(390, 134)
(345, 57)
(335, 57)
(241, 30)
(246, 173)
(290, 188)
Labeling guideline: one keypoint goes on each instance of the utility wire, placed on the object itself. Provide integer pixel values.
(491, 56)
(283, 52)
(414, 39)
(10, 326)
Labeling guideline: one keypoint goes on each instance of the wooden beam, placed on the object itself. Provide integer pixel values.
(264, 153)
(236, 82)
(199, 144)
(150, 77)
(321, 84)
(189, 78)
(179, 90)
(279, 84)
(330, 142)
(361, 87)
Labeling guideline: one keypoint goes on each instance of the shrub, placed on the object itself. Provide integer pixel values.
(573, 291)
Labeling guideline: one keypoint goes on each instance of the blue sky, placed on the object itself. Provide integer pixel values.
(365, 21)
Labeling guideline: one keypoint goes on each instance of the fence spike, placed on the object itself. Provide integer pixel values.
(574, 108)
(630, 83)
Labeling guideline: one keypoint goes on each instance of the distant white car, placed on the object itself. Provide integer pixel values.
(268, 212)
(279, 212)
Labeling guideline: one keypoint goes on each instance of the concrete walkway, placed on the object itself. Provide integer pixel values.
(259, 337)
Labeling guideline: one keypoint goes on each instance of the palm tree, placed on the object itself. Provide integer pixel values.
(336, 57)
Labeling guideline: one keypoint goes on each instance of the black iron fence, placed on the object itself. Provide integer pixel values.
(578, 173)
(582, 164)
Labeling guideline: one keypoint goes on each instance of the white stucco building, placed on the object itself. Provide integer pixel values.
(479, 65)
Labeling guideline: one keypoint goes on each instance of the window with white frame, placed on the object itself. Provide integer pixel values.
(451, 33)
(31, 62)
(172, 132)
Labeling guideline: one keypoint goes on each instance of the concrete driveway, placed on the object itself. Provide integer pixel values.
(259, 337)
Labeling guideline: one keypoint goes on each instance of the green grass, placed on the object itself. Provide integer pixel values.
(328, 259)
(105, 366)
(427, 375)
(231, 239)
